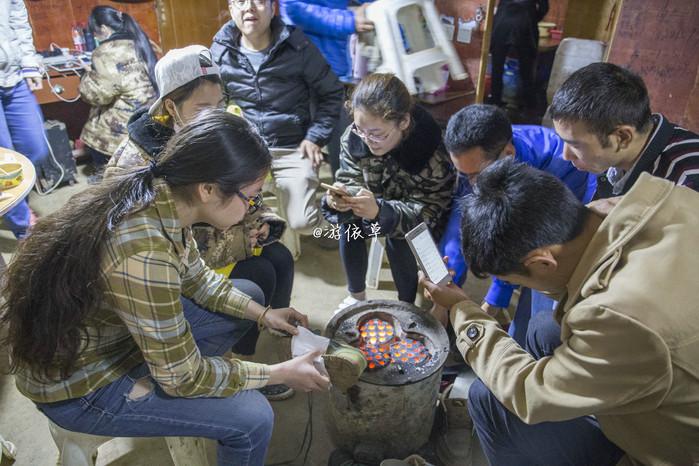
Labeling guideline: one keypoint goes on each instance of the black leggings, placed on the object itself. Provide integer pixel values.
(355, 261)
(99, 159)
(273, 271)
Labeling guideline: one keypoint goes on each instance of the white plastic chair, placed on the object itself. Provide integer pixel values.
(76, 449)
(571, 55)
(430, 47)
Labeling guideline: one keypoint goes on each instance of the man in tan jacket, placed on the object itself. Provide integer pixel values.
(628, 349)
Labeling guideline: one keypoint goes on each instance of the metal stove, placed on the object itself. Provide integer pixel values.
(390, 411)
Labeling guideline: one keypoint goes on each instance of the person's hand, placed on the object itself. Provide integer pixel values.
(443, 295)
(440, 313)
(299, 373)
(312, 151)
(364, 204)
(361, 23)
(492, 311)
(252, 237)
(336, 201)
(602, 207)
(35, 83)
(284, 319)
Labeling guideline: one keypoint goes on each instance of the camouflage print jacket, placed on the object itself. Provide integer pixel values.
(116, 86)
(412, 183)
(146, 140)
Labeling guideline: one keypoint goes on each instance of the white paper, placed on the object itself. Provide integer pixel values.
(465, 30)
(448, 25)
(308, 342)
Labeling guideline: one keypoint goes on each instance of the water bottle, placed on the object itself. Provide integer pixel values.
(78, 38)
(89, 40)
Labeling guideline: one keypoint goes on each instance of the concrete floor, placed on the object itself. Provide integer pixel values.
(319, 286)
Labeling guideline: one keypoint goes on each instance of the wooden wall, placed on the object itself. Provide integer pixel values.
(591, 19)
(52, 20)
(658, 39)
(186, 22)
(557, 12)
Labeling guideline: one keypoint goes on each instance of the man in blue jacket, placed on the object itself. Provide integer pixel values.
(477, 136)
(328, 23)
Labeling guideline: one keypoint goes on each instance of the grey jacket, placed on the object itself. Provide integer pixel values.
(277, 98)
(18, 58)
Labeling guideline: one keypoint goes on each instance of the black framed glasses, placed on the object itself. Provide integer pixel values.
(243, 5)
(253, 203)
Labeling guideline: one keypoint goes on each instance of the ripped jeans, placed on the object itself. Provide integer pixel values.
(135, 406)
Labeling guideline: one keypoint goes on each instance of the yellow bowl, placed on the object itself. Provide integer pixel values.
(10, 175)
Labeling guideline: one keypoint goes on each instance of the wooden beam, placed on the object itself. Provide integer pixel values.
(485, 49)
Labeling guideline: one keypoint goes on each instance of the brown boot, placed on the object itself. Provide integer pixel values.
(344, 363)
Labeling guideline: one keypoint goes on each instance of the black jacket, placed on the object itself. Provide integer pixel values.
(277, 99)
(150, 135)
(516, 23)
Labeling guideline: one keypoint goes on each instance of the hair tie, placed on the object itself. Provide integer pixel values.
(155, 170)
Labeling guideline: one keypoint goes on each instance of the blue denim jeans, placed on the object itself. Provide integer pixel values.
(242, 423)
(22, 130)
(507, 440)
(531, 303)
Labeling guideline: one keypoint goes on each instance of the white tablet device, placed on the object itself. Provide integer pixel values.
(427, 256)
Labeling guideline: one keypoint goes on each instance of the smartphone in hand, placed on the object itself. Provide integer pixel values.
(335, 190)
(427, 255)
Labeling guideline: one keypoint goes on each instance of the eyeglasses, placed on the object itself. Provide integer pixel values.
(473, 177)
(253, 203)
(369, 137)
(245, 4)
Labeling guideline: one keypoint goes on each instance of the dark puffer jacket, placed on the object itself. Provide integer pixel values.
(277, 99)
(413, 183)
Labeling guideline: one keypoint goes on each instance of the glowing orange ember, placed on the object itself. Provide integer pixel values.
(380, 347)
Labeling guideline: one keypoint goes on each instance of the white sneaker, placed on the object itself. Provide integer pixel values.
(348, 301)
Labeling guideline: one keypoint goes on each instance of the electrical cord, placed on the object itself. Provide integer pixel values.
(81, 65)
(37, 185)
(51, 88)
(52, 155)
(307, 437)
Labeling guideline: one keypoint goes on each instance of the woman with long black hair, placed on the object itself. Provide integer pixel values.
(98, 334)
(120, 81)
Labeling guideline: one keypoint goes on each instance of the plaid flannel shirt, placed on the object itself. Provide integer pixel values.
(147, 264)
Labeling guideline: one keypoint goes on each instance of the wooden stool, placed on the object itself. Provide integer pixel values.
(76, 449)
